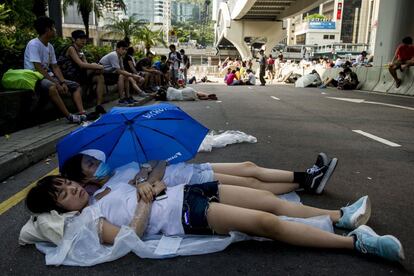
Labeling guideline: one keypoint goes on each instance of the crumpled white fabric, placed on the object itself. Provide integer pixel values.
(213, 140)
(185, 94)
(307, 80)
(80, 245)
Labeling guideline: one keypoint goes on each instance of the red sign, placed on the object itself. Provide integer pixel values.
(339, 12)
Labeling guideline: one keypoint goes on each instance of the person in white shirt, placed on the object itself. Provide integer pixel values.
(40, 56)
(251, 78)
(211, 209)
(114, 71)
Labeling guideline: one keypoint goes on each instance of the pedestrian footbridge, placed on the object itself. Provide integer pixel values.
(241, 22)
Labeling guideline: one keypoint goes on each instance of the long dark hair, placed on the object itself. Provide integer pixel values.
(72, 168)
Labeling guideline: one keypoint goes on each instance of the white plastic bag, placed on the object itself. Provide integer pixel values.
(221, 140)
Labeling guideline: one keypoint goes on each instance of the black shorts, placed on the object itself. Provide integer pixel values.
(111, 78)
(196, 201)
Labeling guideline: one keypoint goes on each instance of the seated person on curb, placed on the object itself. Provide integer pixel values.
(136, 81)
(350, 81)
(212, 209)
(239, 76)
(335, 82)
(87, 169)
(251, 78)
(403, 58)
(227, 74)
(152, 76)
(231, 78)
(40, 56)
(114, 72)
(75, 67)
(162, 66)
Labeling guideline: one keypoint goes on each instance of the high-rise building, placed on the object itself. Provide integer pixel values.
(344, 21)
(151, 11)
(182, 12)
(141, 9)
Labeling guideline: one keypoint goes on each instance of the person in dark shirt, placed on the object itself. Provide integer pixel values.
(350, 81)
(136, 81)
(162, 66)
(151, 75)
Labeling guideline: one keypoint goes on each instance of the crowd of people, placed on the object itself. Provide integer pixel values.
(68, 72)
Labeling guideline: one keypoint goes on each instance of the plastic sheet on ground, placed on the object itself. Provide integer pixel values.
(80, 245)
(213, 140)
(307, 80)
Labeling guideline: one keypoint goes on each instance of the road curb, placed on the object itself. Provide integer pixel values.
(21, 158)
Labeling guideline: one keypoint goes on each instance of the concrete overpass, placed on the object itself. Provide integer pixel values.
(243, 22)
(240, 23)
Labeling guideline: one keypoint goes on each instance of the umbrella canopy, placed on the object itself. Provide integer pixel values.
(140, 134)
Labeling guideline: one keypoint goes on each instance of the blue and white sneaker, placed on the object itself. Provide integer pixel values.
(369, 242)
(356, 214)
(318, 176)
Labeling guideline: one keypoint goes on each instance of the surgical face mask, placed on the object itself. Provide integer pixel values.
(102, 171)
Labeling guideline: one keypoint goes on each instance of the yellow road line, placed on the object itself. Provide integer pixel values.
(15, 199)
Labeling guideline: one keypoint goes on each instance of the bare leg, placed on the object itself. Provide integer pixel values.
(250, 169)
(276, 188)
(268, 202)
(224, 218)
(135, 87)
(126, 85)
(100, 88)
(393, 72)
(121, 86)
(77, 99)
(57, 100)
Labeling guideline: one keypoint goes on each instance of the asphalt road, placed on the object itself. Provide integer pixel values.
(292, 126)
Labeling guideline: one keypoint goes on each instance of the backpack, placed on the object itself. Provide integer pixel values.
(21, 79)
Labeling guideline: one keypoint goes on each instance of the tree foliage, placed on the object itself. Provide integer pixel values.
(126, 27)
(85, 8)
(149, 38)
(315, 16)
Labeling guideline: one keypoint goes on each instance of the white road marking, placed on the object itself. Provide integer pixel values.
(392, 105)
(376, 138)
(273, 97)
(323, 93)
(348, 100)
(368, 102)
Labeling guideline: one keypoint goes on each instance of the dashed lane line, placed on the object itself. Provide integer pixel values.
(369, 102)
(274, 98)
(15, 199)
(376, 138)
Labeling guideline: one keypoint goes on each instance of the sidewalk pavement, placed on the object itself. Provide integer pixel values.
(21, 149)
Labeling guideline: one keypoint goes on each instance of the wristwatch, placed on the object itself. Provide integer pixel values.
(140, 180)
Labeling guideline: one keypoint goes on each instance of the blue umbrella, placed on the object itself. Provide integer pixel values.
(140, 134)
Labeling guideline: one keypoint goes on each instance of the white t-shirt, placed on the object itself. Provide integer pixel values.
(185, 94)
(119, 205)
(36, 51)
(252, 78)
(111, 62)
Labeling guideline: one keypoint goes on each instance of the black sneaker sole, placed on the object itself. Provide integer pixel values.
(327, 175)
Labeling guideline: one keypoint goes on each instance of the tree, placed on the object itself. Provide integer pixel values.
(125, 28)
(315, 16)
(149, 38)
(85, 7)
